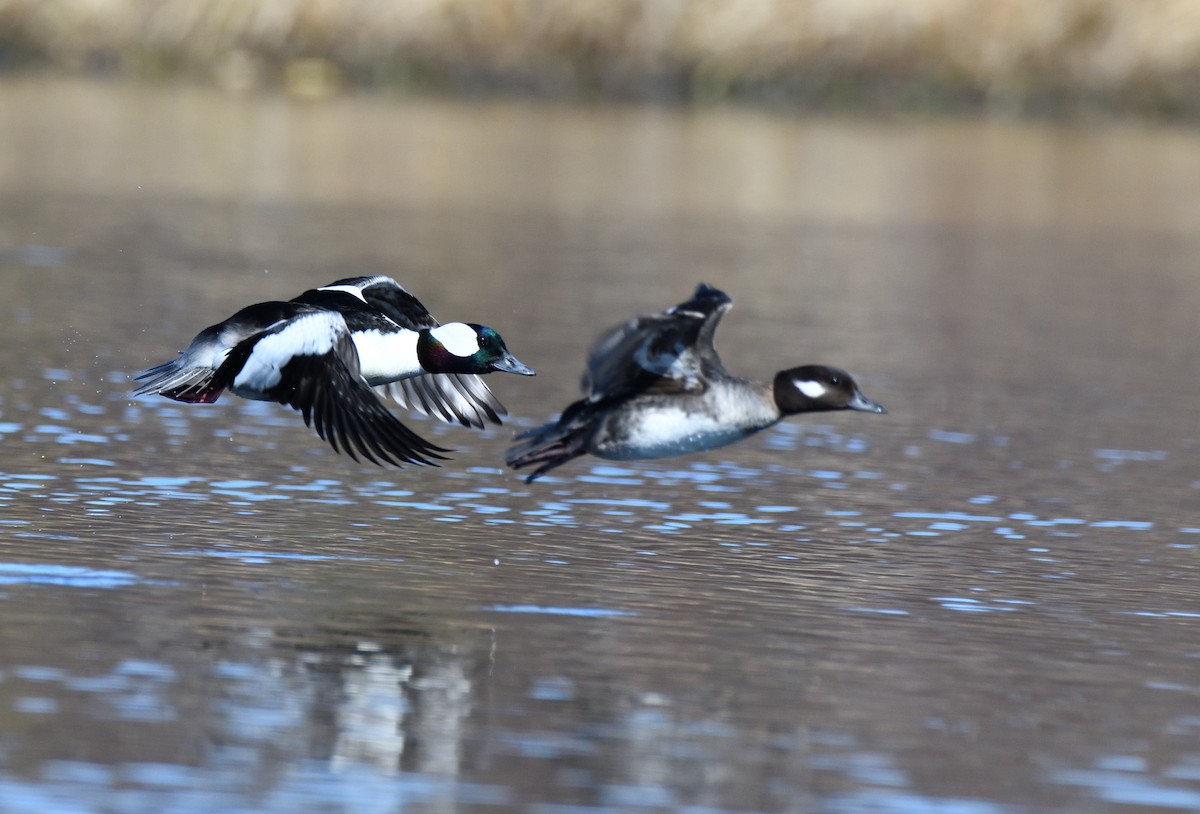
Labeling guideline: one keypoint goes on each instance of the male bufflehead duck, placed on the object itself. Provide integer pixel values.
(454, 392)
(323, 352)
(655, 388)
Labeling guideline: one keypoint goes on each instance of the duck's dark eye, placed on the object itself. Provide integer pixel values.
(835, 381)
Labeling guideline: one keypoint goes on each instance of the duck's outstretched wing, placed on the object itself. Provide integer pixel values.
(189, 376)
(671, 351)
(461, 397)
(310, 364)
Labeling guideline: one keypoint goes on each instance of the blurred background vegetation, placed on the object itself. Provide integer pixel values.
(1008, 56)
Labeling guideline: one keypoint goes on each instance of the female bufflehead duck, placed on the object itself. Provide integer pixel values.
(323, 352)
(655, 387)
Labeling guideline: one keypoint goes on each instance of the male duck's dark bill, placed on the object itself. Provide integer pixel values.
(509, 364)
(861, 402)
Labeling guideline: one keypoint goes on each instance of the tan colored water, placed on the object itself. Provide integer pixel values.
(986, 601)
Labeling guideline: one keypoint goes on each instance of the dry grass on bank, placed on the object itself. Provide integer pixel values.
(1015, 55)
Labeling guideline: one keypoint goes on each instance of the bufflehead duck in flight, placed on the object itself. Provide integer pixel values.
(323, 352)
(655, 387)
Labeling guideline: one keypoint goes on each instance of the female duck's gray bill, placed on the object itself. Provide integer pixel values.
(861, 402)
(509, 364)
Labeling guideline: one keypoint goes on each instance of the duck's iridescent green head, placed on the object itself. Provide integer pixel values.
(459, 347)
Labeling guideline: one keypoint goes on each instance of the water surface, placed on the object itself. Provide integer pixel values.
(985, 601)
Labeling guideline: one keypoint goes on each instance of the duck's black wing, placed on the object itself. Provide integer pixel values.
(668, 352)
(310, 364)
(461, 397)
(394, 300)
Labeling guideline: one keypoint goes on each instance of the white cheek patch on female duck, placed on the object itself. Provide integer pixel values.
(310, 335)
(458, 338)
(811, 389)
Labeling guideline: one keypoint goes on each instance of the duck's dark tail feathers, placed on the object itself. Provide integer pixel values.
(553, 444)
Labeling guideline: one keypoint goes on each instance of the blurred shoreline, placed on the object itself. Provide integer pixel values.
(1009, 57)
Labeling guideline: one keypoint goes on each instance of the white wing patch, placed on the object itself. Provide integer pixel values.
(814, 390)
(458, 338)
(308, 335)
(349, 289)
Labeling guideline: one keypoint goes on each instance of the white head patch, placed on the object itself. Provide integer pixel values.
(349, 289)
(458, 338)
(814, 390)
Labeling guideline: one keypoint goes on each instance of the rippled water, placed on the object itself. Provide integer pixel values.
(986, 601)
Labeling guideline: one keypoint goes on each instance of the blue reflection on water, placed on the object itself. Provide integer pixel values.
(948, 437)
(553, 688)
(13, 573)
(72, 787)
(1131, 455)
(86, 462)
(259, 557)
(134, 689)
(879, 801)
(33, 705)
(599, 613)
(1118, 783)
(949, 516)
(972, 605)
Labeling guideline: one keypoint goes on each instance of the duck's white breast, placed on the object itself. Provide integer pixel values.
(387, 356)
(666, 427)
(666, 432)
